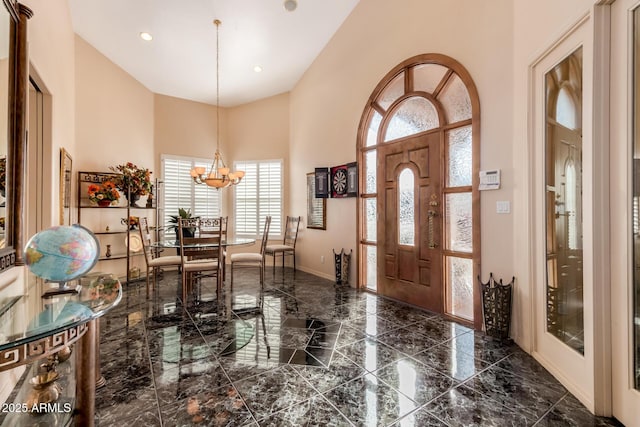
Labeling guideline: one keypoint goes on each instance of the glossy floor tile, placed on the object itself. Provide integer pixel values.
(304, 351)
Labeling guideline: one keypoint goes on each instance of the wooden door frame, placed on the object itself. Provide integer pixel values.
(373, 106)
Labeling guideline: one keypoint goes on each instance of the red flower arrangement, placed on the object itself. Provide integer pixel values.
(104, 192)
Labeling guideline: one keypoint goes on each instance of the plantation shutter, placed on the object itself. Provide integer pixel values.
(181, 192)
(259, 194)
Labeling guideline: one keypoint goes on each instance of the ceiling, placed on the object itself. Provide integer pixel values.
(180, 60)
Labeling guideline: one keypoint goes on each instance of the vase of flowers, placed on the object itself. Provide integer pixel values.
(105, 194)
(133, 181)
(132, 222)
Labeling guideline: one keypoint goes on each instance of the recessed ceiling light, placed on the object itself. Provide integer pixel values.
(290, 5)
(146, 36)
(257, 69)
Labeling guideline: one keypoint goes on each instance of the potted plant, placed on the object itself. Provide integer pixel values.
(174, 222)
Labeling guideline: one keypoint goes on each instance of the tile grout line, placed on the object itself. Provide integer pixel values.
(153, 377)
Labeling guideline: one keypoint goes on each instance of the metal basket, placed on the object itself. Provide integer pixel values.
(496, 307)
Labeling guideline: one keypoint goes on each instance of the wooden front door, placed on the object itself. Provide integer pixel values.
(409, 224)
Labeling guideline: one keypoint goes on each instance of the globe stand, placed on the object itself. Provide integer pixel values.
(63, 288)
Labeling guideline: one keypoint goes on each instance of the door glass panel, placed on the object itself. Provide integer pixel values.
(426, 77)
(459, 157)
(393, 91)
(374, 126)
(455, 99)
(406, 208)
(459, 220)
(371, 219)
(563, 176)
(370, 254)
(636, 196)
(415, 114)
(370, 172)
(460, 287)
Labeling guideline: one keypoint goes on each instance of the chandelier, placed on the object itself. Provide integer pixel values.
(218, 175)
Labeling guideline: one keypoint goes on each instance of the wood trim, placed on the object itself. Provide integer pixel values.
(451, 190)
(17, 131)
(443, 82)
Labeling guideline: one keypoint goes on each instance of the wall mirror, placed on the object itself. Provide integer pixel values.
(564, 210)
(13, 84)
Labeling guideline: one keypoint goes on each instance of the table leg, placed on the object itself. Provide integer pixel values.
(86, 376)
(100, 381)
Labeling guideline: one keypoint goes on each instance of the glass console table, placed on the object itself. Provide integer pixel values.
(34, 328)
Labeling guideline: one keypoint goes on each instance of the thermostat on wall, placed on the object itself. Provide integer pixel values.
(490, 180)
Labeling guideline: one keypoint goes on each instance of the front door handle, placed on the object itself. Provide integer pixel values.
(430, 226)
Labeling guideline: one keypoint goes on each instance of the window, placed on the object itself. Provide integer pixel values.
(259, 194)
(406, 204)
(179, 191)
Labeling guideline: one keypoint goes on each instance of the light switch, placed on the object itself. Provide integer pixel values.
(503, 207)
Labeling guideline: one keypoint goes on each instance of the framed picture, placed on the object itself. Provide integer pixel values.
(322, 183)
(352, 179)
(65, 187)
(316, 207)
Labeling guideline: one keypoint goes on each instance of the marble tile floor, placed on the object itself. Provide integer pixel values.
(315, 354)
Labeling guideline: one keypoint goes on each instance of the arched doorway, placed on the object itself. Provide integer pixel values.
(419, 210)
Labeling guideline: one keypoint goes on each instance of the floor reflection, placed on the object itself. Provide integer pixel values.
(304, 351)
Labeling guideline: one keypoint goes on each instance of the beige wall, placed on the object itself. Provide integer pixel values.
(186, 128)
(51, 26)
(327, 103)
(114, 114)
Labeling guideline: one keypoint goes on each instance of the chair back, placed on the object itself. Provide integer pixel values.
(265, 235)
(291, 230)
(210, 227)
(145, 236)
(201, 245)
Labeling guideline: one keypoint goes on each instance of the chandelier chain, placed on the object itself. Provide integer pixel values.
(219, 176)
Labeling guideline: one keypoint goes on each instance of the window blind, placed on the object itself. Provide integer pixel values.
(179, 191)
(258, 195)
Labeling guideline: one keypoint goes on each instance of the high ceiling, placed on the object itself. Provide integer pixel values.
(180, 60)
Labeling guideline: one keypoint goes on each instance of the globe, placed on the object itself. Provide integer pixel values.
(62, 253)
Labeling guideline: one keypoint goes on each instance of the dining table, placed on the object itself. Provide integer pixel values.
(230, 241)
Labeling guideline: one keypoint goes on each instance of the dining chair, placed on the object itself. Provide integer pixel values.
(253, 259)
(200, 255)
(209, 226)
(152, 259)
(288, 246)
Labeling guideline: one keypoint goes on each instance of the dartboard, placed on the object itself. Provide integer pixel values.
(339, 181)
